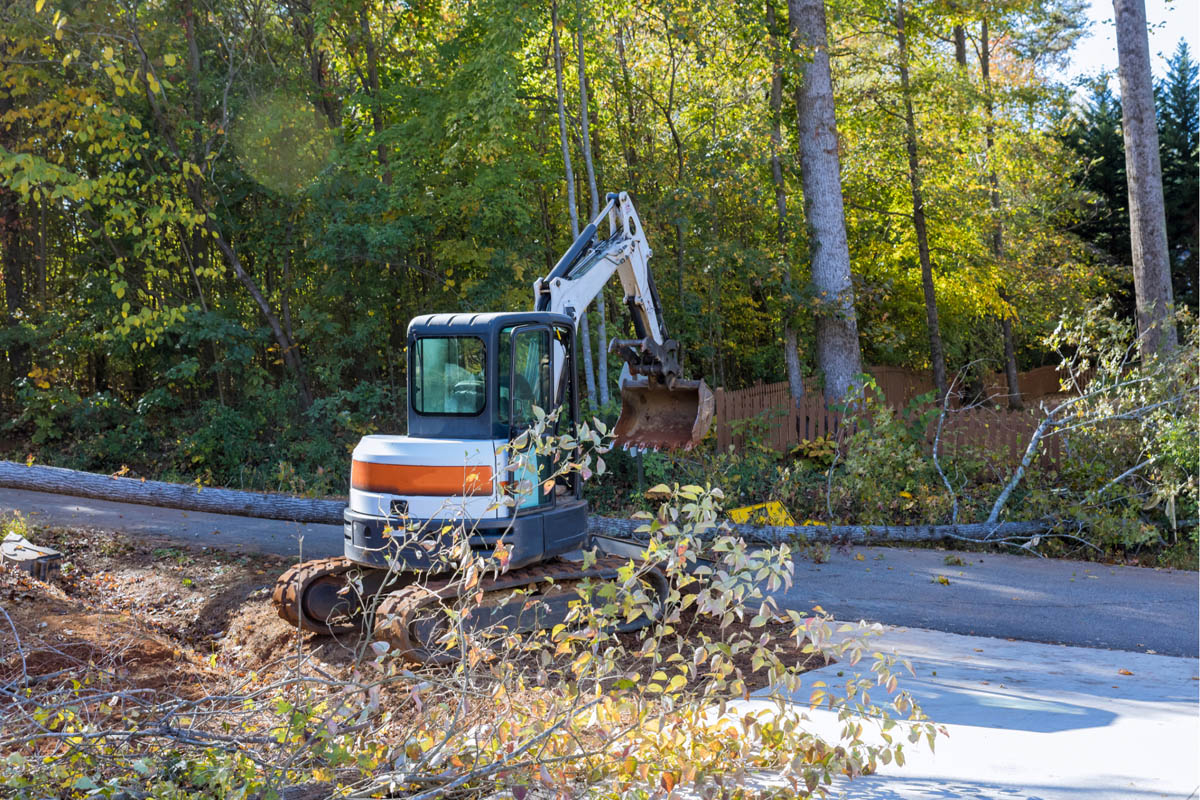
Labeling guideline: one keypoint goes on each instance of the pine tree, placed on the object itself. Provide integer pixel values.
(1095, 134)
(1178, 100)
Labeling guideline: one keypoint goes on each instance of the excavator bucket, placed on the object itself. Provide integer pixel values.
(654, 415)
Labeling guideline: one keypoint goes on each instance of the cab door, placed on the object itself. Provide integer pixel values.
(526, 381)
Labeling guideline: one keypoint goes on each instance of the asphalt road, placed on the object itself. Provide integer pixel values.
(1004, 596)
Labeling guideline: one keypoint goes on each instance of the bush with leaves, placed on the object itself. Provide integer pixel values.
(1131, 437)
(580, 708)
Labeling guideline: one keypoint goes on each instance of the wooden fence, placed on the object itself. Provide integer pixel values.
(766, 413)
(900, 386)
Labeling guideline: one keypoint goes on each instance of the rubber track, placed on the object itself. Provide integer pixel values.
(290, 586)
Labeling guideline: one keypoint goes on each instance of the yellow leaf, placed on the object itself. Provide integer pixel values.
(37, 9)
(169, 59)
(906, 495)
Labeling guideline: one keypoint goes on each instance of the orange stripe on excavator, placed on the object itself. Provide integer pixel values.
(418, 479)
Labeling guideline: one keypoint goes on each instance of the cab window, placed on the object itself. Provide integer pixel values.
(448, 375)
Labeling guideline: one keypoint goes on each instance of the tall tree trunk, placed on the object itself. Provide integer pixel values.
(1147, 217)
(373, 89)
(318, 62)
(289, 349)
(1006, 324)
(838, 355)
(960, 45)
(13, 264)
(11, 254)
(589, 374)
(42, 266)
(626, 88)
(594, 201)
(791, 356)
(936, 353)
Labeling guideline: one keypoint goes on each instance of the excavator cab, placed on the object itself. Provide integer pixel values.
(474, 381)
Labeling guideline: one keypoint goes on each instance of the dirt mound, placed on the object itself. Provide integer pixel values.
(53, 640)
(147, 614)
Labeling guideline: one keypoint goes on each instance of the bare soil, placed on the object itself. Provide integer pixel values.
(149, 613)
(154, 614)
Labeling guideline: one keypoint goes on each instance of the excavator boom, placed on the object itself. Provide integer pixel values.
(659, 408)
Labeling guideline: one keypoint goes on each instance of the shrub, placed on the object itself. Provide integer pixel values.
(578, 708)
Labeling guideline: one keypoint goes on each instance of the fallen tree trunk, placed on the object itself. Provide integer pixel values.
(57, 480)
(854, 534)
(169, 495)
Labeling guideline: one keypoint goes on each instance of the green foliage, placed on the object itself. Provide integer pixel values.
(577, 707)
(1094, 134)
(212, 261)
(820, 451)
(887, 469)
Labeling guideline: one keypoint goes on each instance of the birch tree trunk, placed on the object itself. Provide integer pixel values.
(936, 352)
(791, 356)
(1006, 327)
(594, 204)
(1147, 217)
(838, 355)
(170, 495)
(589, 375)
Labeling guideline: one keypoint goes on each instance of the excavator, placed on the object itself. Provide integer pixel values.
(478, 383)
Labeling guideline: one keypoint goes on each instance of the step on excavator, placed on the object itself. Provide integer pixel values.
(477, 384)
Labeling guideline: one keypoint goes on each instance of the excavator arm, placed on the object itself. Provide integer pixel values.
(659, 408)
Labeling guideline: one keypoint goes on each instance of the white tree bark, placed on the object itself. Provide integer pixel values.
(791, 356)
(589, 373)
(594, 205)
(838, 354)
(169, 495)
(1147, 217)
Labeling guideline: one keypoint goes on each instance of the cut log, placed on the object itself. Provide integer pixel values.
(169, 495)
(853, 534)
(188, 497)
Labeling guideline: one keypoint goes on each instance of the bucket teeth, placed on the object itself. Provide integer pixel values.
(662, 416)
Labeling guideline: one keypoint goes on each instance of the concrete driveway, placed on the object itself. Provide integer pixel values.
(1032, 721)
